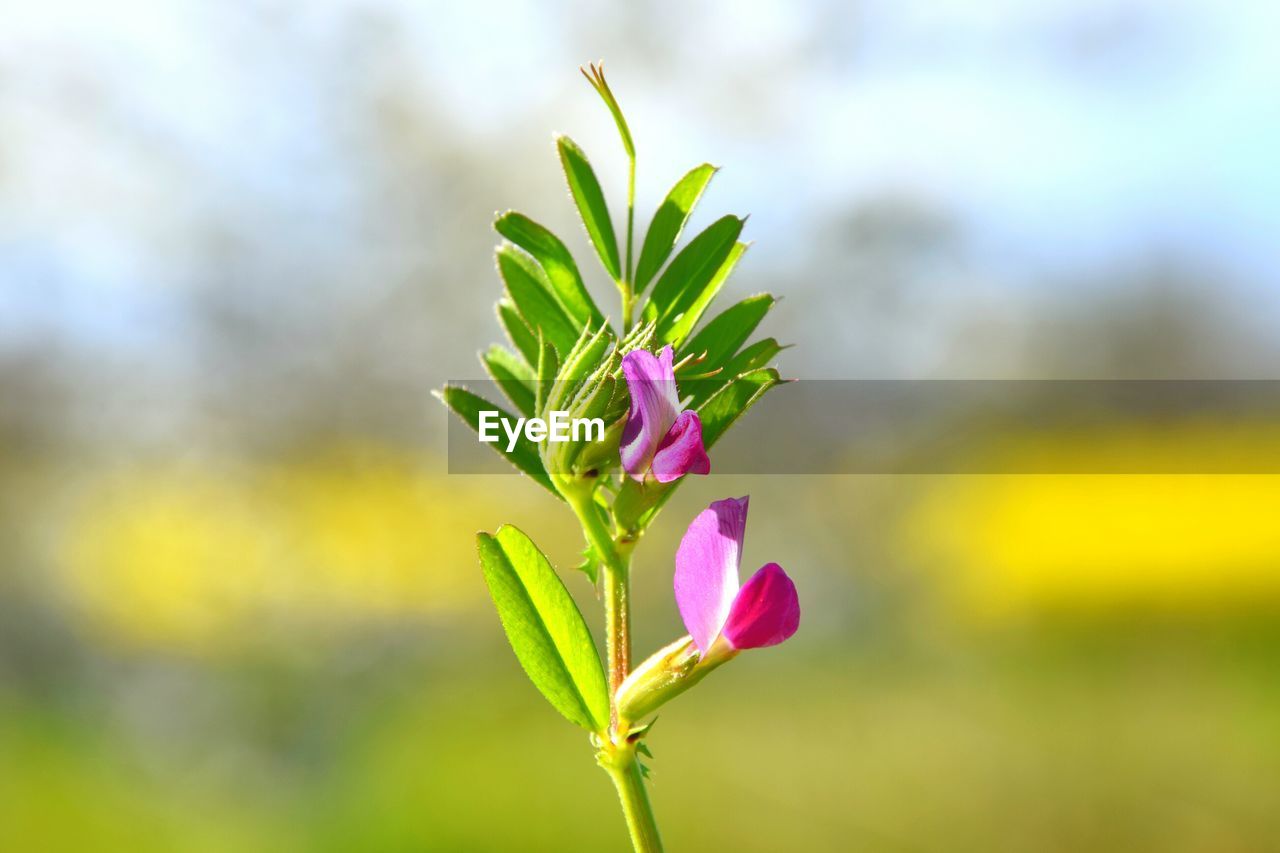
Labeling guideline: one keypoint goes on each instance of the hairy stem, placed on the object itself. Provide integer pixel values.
(628, 305)
(617, 621)
(629, 272)
(616, 581)
(624, 769)
(618, 752)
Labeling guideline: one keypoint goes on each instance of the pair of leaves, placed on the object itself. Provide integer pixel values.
(534, 298)
(545, 628)
(664, 229)
(556, 261)
(750, 358)
(731, 402)
(713, 356)
(694, 277)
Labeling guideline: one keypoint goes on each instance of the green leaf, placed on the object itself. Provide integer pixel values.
(545, 628)
(525, 455)
(556, 262)
(531, 291)
(679, 326)
(669, 221)
(732, 401)
(758, 354)
(589, 198)
(700, 388)
(721, 337)
(513, 376)
(691, 271)
(520, 335)
(753, 357)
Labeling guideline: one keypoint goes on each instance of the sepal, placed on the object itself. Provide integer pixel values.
(666, 674)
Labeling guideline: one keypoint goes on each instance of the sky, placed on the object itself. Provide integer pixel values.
(1063, 137)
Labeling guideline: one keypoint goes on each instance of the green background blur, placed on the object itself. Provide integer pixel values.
(240, 242)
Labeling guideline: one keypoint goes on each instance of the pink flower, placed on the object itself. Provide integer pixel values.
(762, 612)
(659, 438)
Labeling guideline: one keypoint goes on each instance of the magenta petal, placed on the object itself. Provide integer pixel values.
(681, 451)
(707, 568)
(765, 612)
(651, 382)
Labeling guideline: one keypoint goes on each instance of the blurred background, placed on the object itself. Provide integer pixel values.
(240, 242)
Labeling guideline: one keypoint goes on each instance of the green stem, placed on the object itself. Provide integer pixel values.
(628, 305)
(616, 582)
(629, 272)
(625, 772)
(617, 626)
(618, 753)
(626, 285)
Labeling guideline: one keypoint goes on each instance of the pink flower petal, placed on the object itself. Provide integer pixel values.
(706, 579)
(765, 611)
(651, 382)
(681, 451)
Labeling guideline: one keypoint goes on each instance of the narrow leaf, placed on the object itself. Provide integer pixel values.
(677, 327)
(757, 355)
(518, 332)
(669, 221)
(721, 337)
(545, 628)
(525, 455)
(589, 198)
(513, 376)
(692, 269)
(556, 261)
(531, 291)
(732, 401)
